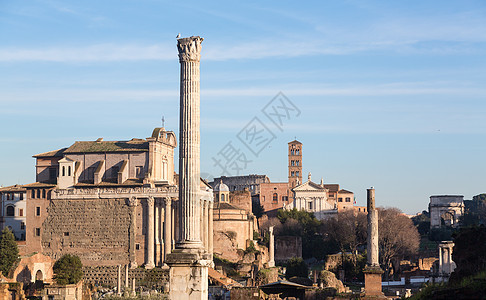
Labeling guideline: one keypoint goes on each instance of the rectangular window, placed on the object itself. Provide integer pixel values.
(32, 194)
(21, 196)
(340, 199)
(348, 199)
(297, 173)
(263, 198)
(37, 231)
(21, 212)
(37, 211)
(22, 226)
(137, 246)
(66, 233)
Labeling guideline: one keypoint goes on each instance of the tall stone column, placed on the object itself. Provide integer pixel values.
(271, 248)
(132, 202)
(150, 233)
(210, 229)
(167, 228)
(189, 261)
(372, 242)
(204, 224)
(189, 142)
(157, 232)
(372, 270)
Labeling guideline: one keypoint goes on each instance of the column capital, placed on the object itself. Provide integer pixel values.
(189, 48)
(167, 201)
(132, 201)
(150, 200)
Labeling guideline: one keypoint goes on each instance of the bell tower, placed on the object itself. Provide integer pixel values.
(295, 163)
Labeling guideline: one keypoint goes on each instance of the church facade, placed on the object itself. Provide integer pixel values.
(110, 202)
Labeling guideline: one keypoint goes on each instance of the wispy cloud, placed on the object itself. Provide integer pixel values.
(111, 95)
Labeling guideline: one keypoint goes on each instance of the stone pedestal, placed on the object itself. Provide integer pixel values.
(188, 275)
(373, 281)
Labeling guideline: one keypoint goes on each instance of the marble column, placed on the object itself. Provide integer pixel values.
(118, 282)
(271, 249)
(189, 262)
(189, 143)
(167, 227)
(204, 224)
(210, 228)
(133, 202)
(126, 278)
(150, 233)
(157, 232)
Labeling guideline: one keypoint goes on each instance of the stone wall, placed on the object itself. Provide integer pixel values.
(287, 247)
(95, 230)
(241, 199)
(108, 276)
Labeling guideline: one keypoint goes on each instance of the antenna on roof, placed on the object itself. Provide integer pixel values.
(163, 121)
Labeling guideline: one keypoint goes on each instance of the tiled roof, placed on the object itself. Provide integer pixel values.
(295, 142)
(332, 187)
(54, 153)
(345, 192)
(39, 185)
(13, 188)
(108, 146)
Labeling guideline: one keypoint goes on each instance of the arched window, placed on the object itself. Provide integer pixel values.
(10, 211)
(222, 198)
(217, 198)
(275, 197)
(69, 170)
(63, 171)
(291, 152)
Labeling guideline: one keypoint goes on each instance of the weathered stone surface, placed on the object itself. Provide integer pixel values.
(328, 279)
(95, 230)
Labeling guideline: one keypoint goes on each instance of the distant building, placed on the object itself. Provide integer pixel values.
(313, 197)
(109, 202)
(13, 210)
(295, 163)
(445, 210)
(240, 183)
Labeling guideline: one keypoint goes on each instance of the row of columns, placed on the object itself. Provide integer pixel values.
(161, 230)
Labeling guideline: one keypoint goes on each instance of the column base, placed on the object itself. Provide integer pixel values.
(149, 266)
(373, 287)
(190, 245)
(188, 275)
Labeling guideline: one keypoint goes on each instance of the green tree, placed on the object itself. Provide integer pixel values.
(9, 252)
(296, 267)
(304, 224)
(68, 270)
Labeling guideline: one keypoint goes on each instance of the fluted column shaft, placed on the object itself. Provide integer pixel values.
(133, 202)
(150, 233)
(157, 231)
(210, 228)
(167, 227)
(189, 149)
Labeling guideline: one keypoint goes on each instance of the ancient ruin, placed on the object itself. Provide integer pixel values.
(372, 270)
(190, 260)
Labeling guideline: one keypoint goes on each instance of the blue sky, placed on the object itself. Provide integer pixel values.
(390, 94)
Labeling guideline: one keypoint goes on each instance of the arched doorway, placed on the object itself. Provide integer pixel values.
(39, 276)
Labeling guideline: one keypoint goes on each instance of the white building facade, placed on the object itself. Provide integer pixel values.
(13, 210)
